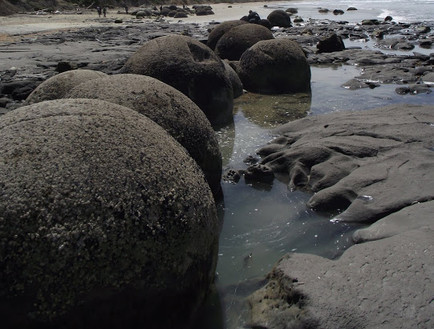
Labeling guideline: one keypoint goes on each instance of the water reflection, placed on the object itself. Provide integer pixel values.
(268, 111)
(262, 223)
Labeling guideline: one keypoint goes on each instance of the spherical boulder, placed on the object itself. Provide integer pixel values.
(238, 39)
(218, 31)
(105, 220)
(57, 86)
(168, 107)
(279, 18)
(191, 67)
(276, 66)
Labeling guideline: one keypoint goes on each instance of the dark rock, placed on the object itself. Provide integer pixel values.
(66, 66)
(292, 11)
(275, 66)
(203, 10)
(100, 208)
(266, 23)
(338, 12)
(370, 22)
(323, 10)
(231, 176)
(330, 44)
(279, 18)
(238, 39)
(414, 89)
(388, 18)
(192, 68)
(351, 9)
(259, 173)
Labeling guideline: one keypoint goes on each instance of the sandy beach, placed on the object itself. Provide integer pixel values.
(21, 24)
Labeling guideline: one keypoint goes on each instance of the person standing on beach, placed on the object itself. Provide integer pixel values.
(104, 11)
(98, 9)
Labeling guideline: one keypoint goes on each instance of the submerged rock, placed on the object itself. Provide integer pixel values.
(106, 221)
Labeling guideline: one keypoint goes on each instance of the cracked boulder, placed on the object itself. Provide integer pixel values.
(364, 165)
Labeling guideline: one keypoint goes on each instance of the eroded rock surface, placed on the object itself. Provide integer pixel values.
(382, 284)
(367, 164)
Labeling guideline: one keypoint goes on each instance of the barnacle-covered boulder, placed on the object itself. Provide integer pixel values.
(58, 85)
(168, 107)
(105, 220)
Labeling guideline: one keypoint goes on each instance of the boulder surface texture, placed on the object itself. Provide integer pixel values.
(279, 18)
(191, 67)
(218, 31)
(275, 66)
(57, 86)
(105, 220)
(238, 39)
(168, 107)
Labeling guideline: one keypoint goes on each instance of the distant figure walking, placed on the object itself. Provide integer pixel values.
(98, 9)
(104, 11)
(126, 8)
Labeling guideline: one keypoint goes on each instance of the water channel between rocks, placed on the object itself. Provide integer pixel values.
(262, 223)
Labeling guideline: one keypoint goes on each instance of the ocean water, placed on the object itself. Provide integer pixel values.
(404, 11)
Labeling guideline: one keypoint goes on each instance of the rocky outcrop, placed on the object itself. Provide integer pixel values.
(375, 165)
(191, 67)
(275, 66)
(238, 39)
(381, 284)
(57, 86)
(168, 107)
(365, 164)
(106, 221)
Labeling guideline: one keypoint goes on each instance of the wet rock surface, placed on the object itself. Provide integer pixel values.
(364, 164)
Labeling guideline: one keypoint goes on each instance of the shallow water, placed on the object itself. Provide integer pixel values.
(263, 222)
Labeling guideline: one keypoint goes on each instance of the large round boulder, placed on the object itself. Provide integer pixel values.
(57, 86)
(238, 39)
(277, 66)
(191, 67)
(105, 220)
(218, 31)
(279, 18)
(168, 107)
